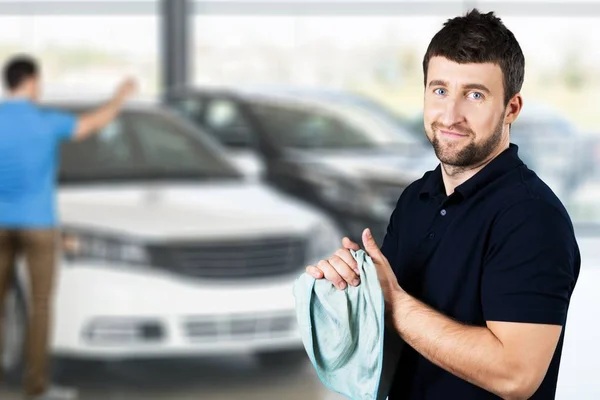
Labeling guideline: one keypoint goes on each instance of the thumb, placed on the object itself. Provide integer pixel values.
(349, 244)
(371, 246)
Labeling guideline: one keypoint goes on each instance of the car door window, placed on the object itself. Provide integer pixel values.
(168, 148)
(109, 153)
(226, 122)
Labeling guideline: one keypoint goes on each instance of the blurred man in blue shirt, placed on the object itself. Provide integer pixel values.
(30, 137)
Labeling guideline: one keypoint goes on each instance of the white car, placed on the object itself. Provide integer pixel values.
(168, 250)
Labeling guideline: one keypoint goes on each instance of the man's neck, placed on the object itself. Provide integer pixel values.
(455, 176)
(18, 95)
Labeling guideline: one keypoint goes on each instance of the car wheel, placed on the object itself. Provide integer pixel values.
(15, 330)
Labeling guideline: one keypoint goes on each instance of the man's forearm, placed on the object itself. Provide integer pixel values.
(96, 120)
(108, 112)
(472, 353)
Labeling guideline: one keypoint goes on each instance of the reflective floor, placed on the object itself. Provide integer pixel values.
(207, 379)
(236, 378)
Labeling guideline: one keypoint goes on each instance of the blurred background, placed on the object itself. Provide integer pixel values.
(264, 132)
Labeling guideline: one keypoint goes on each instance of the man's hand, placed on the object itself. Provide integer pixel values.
(341, 268)
(126, 89)
(93, 121)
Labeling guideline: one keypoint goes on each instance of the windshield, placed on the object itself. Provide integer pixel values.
(385, 128)
(308, 128)
(402, 127)
(335, 126)
(143, 145)
(396, 127)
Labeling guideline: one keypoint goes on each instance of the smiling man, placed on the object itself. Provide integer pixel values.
(480, 258)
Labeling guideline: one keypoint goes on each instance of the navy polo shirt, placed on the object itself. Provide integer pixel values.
(500, 248)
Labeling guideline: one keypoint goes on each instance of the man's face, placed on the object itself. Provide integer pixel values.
(464, 111)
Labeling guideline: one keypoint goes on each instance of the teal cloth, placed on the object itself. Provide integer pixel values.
(344, 333)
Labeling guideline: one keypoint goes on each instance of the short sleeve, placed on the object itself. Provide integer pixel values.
(531, 265)
(61, 124)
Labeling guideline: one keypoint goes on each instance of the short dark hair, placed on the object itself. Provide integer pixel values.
(480, 38)
(18, 69)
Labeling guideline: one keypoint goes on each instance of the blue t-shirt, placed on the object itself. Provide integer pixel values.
(29, 141)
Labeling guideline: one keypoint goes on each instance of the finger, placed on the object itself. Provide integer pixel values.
(344, 270)
(331, 274)
(371, 247)
(346, 256)
(349, 244)
(314, 272)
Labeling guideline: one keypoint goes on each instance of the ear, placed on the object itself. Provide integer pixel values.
(513, 109)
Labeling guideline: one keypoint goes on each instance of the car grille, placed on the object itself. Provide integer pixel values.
(238, 327)
(232, 259)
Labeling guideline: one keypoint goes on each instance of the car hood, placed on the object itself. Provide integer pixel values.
(393, 166)
(163, 210)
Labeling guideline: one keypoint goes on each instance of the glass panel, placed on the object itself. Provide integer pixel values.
(86, 54)
(169, 149)
(225, 121)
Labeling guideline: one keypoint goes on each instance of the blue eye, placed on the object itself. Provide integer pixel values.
(476, 95)
(439, 90)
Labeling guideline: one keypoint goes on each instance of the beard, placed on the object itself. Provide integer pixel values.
(464, 155)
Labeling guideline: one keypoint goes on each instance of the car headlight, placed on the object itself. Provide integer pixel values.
(324, 240)
(77, 245)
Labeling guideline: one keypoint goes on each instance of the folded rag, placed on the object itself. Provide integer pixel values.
(344, 333)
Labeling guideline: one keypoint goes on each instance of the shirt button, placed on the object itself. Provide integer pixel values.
(431, 235)
(443, 212)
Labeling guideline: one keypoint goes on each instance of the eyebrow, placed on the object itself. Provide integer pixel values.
(468, 86)
(477, 86)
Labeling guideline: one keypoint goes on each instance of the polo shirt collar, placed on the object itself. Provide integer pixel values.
(503, 163)
(434, 185)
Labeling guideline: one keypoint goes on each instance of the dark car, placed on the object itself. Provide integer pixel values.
(344, 158)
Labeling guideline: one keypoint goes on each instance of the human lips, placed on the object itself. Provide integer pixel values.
(452, 134)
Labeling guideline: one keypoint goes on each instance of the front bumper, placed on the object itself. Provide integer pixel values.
(112, 312)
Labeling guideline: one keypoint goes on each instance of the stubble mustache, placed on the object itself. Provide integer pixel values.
(436, 126)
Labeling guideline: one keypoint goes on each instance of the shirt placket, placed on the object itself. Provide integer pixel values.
(440, 221)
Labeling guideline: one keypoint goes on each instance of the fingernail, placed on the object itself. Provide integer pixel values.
(342, 285)
(357, 271)
(355, 282)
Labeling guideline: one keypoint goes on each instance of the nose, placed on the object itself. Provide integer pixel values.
(451, 114)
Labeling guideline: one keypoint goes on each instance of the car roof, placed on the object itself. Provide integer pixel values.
(323, 96)
(89, 103)
(290, 94)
